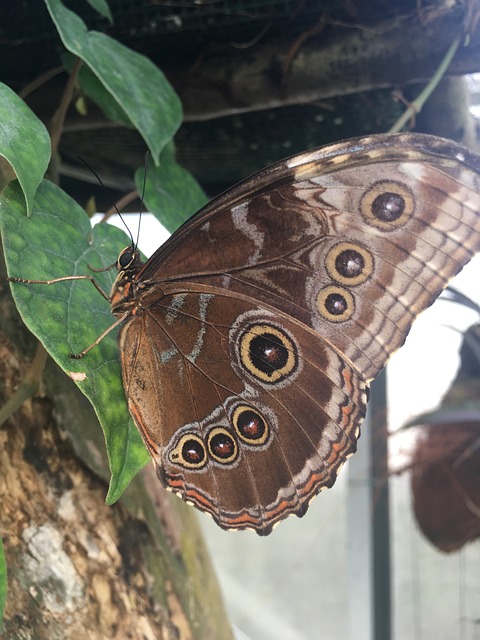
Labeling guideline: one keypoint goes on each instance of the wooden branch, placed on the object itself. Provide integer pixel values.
(389, 54)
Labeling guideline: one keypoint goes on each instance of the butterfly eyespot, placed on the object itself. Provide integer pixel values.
(268, 353)
(387, 205)
(222, 446)
(335, 304)
(250, 426)
(349, 264)
(190, 452)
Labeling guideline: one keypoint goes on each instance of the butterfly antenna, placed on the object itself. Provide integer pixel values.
(142, 196)
(100, 182)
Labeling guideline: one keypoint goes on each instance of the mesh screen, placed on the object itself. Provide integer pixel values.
(166, 31)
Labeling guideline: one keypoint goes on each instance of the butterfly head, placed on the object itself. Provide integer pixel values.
(129, 261)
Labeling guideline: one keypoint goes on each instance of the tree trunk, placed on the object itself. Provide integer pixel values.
(77, 568)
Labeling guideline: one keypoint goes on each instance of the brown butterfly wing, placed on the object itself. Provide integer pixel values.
(406, 206)
(240, 442)
(328, 256)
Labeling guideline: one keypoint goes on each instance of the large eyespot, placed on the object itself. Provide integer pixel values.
(189, 452)
(349, 264)
(268, 353)
(250, 426)
(387, 205)
(222, 446)
(335, 304)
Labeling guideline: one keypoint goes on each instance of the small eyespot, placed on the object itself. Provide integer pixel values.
(349, 264)
(335, 304)
(189, 452)
(387, 205)
(222, 446)
(250, 426)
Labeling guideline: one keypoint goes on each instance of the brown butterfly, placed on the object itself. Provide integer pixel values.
(250, 337)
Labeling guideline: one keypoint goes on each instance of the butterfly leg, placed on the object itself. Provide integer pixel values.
(63, 279)
(78, 356)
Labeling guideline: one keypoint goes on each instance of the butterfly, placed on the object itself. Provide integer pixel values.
(248, 340)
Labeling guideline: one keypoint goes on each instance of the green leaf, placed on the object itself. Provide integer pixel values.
(57, 240)
(3, 582)
(171, 193)
(103, 9)
(20, 133)
(94, 89)
(136, 84)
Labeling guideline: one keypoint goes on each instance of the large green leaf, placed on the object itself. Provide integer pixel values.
(20, 133)
(136, 84)
(3, 582)
(57, 240)
(171, 193)
(93, 88)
